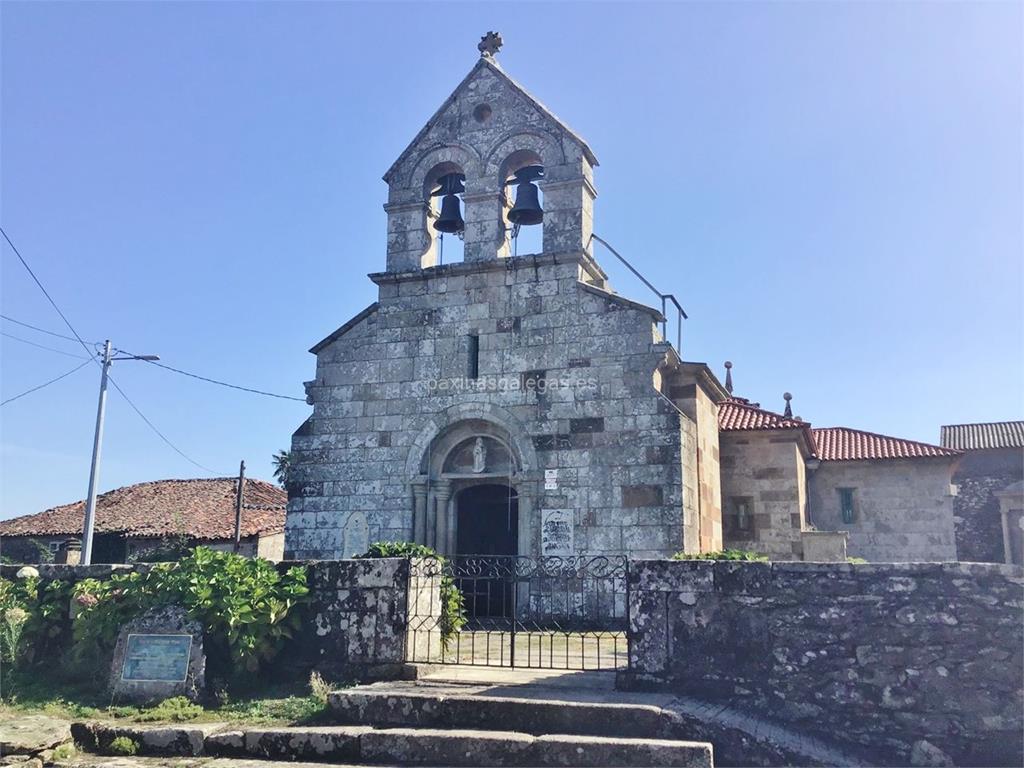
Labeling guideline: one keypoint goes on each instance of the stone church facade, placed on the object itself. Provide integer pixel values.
(515, 404)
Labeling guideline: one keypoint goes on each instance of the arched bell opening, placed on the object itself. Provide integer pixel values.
(521, 175)
(442, 189)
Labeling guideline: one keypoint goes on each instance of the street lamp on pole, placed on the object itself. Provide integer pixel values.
(97, 444)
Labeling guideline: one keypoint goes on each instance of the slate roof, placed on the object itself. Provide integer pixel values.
(845, 444)
(202, 509)
(976, 437)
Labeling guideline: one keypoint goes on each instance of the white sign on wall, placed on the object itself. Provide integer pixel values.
(550, 479)
(556, 532)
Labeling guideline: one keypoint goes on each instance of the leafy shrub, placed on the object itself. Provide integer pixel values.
(43, 625)
(245, 606)
(453, 603)
(123, 746)
(177, 709)
(724, 554)
(64, 752)
(856, 561)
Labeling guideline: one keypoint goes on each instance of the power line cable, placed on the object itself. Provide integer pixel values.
(37, 328)
(160, 434)
(85, 346)
(45, 293)
(46, 384)
(221, 383)
(43, 346)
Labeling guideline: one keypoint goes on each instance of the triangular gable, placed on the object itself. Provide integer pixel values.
(489, 64)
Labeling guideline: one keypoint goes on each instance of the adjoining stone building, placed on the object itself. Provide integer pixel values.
(146, 520)
(785, 484)
(993, 461)
(515, 404)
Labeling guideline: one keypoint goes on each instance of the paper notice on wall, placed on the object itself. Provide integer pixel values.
(556, 532)
(550, 479)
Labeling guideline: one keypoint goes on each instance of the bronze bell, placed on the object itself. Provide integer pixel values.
(527, 210)
(450, 219)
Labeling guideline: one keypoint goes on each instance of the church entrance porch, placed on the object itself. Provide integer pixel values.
(541, 613)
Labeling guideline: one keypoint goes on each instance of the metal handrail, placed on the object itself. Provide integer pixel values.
(665, 297)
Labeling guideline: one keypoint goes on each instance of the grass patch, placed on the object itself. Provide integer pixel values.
(298, 703)
(123, 746)
(739, 555)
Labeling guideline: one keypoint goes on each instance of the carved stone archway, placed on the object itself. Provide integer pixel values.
(466, 452)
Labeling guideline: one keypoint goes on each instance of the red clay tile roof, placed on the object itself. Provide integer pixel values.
(844, 444)
(738, 414)
(831, 444)
(202, 509)
(975, 437)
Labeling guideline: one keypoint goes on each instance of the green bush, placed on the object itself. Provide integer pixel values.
(723, 554)
(453, 603)
(245, 606)
(33, 619)
(123, 746)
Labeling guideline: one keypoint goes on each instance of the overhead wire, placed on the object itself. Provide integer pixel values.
(43, 346)
(160, 434)
(45, 292)
(221, 383)
(85, 346)
(10, 319)
(45, 384)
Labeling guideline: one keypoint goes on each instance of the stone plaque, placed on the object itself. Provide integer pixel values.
(157, 658)
(556, 532)
(158, 655)
(355, 536)
(550, 479)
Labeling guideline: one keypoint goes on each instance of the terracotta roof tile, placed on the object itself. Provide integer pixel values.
(844, 444)
(738, 414)
(975, 437)
(203, 508)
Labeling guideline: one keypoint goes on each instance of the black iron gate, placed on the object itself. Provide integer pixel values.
(547, 613)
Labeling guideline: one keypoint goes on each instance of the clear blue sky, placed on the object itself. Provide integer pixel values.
(834, 191)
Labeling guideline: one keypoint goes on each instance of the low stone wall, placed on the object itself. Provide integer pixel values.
(915, 664)
(354, 623)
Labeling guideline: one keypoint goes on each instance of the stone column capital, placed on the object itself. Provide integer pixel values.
(419, 487)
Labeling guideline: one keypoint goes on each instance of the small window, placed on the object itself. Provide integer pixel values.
(54, 546)
(473, 364)
(741, 513)
(846, 504)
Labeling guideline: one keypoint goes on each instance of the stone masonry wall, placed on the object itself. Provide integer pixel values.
(903, 510)
(766, 469)
(384, 392)
(907, 664)
(355, 621)
(979, 533)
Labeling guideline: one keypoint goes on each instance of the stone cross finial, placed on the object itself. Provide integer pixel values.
(789, 408)
(489, 44)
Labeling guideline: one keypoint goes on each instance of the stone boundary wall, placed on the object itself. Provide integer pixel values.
(354, 625)
(907, 664)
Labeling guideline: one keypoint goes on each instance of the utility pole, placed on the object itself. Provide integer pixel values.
(97, 445)
(238, 508)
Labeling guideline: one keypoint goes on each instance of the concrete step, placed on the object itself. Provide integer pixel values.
(537, 712)
(360, 744)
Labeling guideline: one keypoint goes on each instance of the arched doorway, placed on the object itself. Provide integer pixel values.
(486, 544)
(487, 520)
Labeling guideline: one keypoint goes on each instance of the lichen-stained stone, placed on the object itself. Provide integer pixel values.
(909, 664)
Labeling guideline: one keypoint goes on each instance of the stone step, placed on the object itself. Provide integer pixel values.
(456, 747)
(360, 744)
(428, 707)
